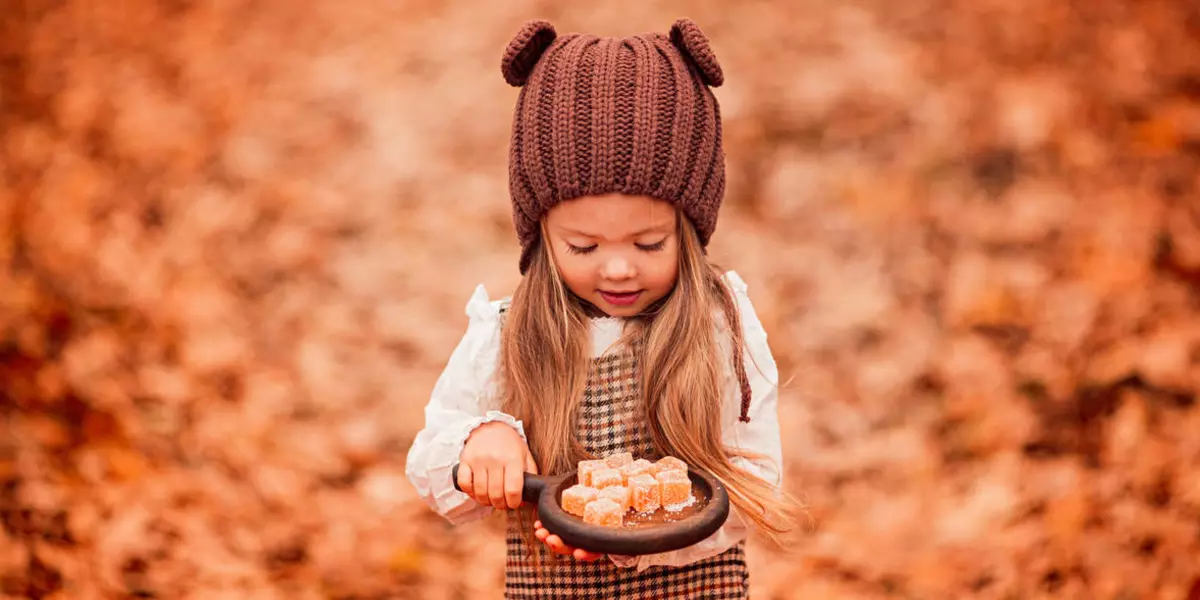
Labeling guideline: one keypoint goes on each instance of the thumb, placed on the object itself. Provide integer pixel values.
(530, 464)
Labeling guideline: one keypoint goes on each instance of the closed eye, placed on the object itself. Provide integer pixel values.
(573, 249)
(655, 247)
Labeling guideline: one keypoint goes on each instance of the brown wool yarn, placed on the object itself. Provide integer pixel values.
(601, 115)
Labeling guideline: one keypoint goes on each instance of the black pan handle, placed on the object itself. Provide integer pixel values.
(531, 488)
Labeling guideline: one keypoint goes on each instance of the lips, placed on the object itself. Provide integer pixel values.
(620, 298)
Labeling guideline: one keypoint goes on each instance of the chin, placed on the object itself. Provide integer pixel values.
(621, 311)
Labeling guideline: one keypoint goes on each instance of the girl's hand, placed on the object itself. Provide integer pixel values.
(493, 464)
(557, 546)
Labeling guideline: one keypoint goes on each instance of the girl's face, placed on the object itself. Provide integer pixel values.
(618, 252)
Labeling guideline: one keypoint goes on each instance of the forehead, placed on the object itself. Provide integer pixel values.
(612, 216)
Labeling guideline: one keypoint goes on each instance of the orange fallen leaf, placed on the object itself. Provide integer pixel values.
(406, 560)
(49, 431)
(1157, 136)
(125, 464)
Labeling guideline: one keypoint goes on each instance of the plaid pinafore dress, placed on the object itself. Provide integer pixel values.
(609, 421)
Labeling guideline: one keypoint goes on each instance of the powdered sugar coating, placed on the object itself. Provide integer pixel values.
(576, 498)
(603, 512)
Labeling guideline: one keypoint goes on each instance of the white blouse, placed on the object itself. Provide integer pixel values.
(465, 397)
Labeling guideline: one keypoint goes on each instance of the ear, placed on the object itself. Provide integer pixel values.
(524, 51)
(692, 42)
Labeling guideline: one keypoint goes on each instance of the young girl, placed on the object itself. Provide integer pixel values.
(620, 336)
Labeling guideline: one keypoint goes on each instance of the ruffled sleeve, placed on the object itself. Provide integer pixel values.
(463, 398)
(760, 435)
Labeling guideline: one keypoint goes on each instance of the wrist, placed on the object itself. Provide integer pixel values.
(487, 430)
(488, 426)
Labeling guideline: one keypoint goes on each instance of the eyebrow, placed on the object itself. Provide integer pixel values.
(654, 229)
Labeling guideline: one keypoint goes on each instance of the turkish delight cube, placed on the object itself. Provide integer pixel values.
(603, 512)
(617, 460)
(674, 489)
(586, 468)
(618, 494)
(644, 493)
(575, 498)
(634, 469)
(602, 478)
(670, 463)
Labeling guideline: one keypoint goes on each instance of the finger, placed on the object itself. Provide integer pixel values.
(541, 535)
(496, 487)
(537, 525)
(480, 480)
(584, 555)
(557, 549)
(556, 544)
(464, 478)
(514, 479)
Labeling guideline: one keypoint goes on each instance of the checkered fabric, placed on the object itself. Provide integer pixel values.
(609, 421)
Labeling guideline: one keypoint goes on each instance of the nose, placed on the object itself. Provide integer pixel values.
(617, 268)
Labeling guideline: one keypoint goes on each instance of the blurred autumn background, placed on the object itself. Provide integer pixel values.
(236, 240)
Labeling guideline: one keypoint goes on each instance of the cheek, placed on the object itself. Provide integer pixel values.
(576, 272)
(663, 270)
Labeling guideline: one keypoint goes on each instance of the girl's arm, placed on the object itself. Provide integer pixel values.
(760, 435)
(463, 399)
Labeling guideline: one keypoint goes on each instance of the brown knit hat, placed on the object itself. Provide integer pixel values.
(606, 115)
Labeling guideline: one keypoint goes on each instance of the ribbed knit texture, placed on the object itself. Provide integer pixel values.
(606, 115)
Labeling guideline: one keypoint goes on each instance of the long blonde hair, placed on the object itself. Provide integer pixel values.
(545, 357)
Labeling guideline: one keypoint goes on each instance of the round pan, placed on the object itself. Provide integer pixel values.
(544, 493)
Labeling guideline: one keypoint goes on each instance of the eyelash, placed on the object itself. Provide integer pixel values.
(573, 249)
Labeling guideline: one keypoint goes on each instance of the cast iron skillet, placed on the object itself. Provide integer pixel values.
(544, 493)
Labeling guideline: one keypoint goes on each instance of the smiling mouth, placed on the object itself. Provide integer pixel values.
(620, 298)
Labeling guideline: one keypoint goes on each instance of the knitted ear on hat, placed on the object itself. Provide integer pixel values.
(692, 42)
(524, 51)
